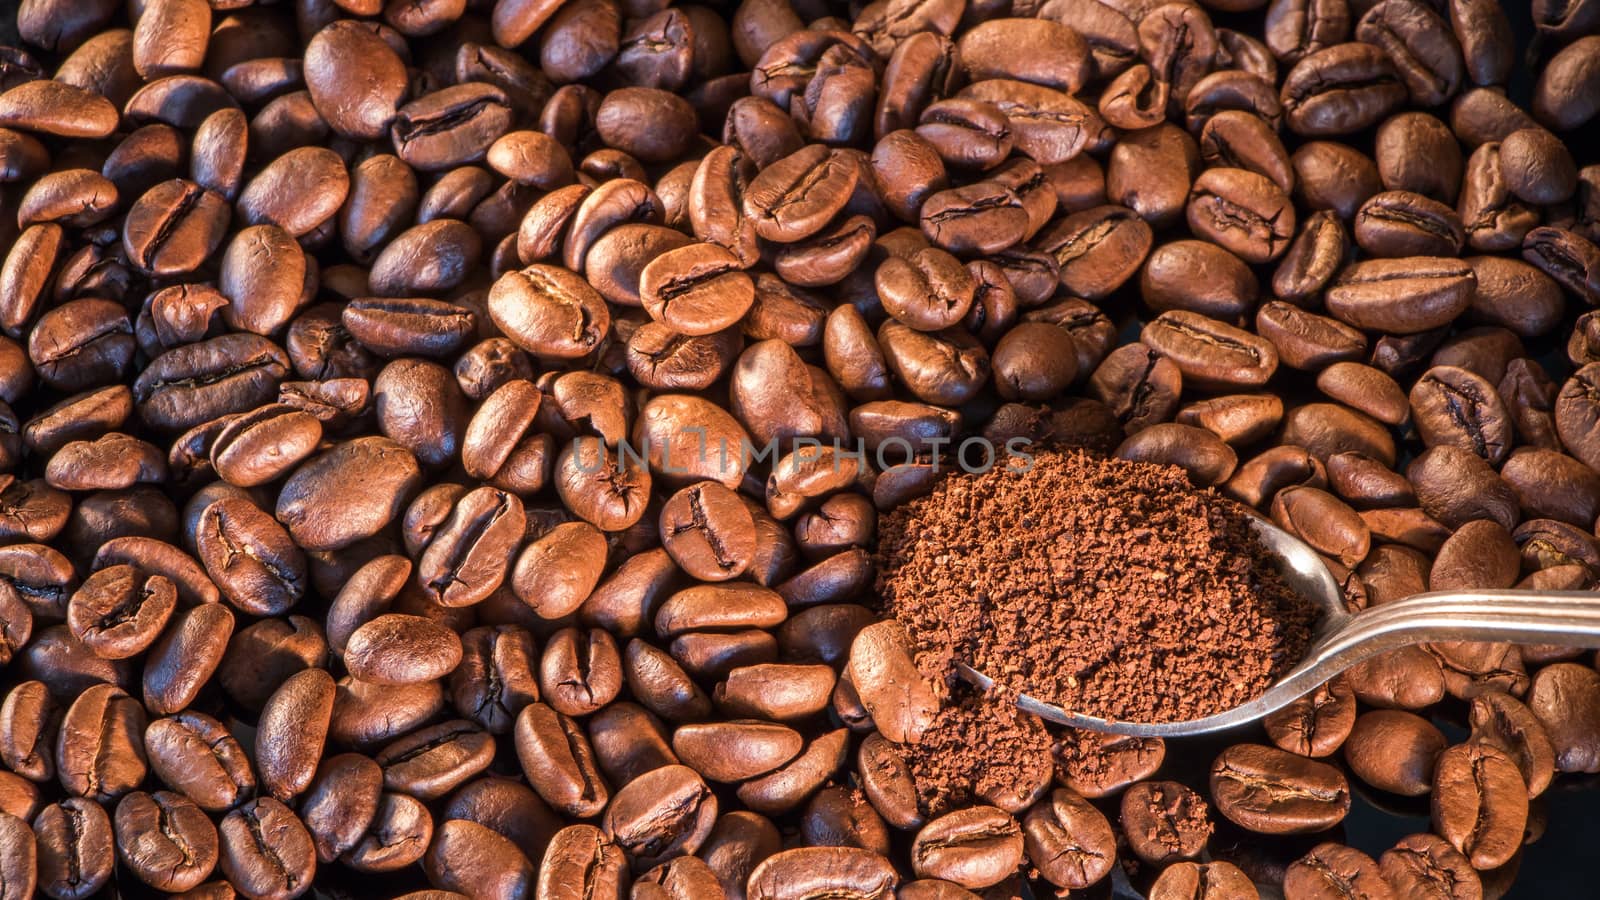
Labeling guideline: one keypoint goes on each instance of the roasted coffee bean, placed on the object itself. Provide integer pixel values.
(267, 577)
(1171, 281)
(263, 655)
(661, 815)
(81, 344)
(347, 493)
(264, 444)
(582, 856)
(1210, 353)
(1334, 870)
(1394, 751)
(1457, 407)
(1097, 249)
(1418, 42)
(708, 532)
(29, 719)
(266, 850)
(1456, 486)
(1034, 361)
(20, 861)
(1164, 821)
(580, 672)
(1203, 455)
(559, 761)
(294, 725)
(1200, 881)
(696, 290)
(118, 612)
(1402, 296)
(1416, 152)
(735, 750)
(1559, 698)
(1323, 522)
(985, 217)
(196, 383)
(1236, 418)
(1366, 389)
(1569, 258)
(166, 840)
(195, 755)
(99, 754)
(341, 803)
(430, 762)
(548, 311)
(1306, 340)
(796, 196)
(1504, 721)
(1403, 223)
(1071, 840)
(1317, 724)
(1245, 212)
(76, 843)
(468, 555)
(1480, 803)
(397, 837)
(554, 573)
(1341, 89)
(1423, 865)
(467, 855)
(975, 847)
(401, 649)
(451, 126)
(1140, 386)
(1269, 791)
(881, 669)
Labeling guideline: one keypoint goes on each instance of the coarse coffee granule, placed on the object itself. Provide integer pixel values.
(1113, 588)
(980, 749)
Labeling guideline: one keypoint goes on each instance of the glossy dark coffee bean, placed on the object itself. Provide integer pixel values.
(1097, 249)
(1334, 870)
(1424, 864)
(1244, 212)
(450, 126)
(99, 754)
(431, 762)
(796, 196)
(195, 755)
(1403, 223)
(166, 840)
(1315, 795)
(293, 728)
(266, 850)
(76, 847)
(1478, 783)
(696, 290)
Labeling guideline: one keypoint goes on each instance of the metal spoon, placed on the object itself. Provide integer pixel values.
(1341, 639)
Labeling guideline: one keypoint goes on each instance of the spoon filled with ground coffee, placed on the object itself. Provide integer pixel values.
(1115, 596)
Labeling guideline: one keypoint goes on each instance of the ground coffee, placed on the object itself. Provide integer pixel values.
(1109, 587)
(980, 749)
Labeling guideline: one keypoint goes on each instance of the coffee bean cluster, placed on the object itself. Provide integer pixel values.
(326, 325)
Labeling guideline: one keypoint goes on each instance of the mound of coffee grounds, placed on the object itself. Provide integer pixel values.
(980, 749)
(1112, 588)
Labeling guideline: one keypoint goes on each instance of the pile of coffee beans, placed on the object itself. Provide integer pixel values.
(377, 379)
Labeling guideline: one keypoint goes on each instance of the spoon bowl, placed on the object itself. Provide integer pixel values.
(1341, 639)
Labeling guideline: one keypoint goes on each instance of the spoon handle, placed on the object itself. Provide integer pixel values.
(1570, 618)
